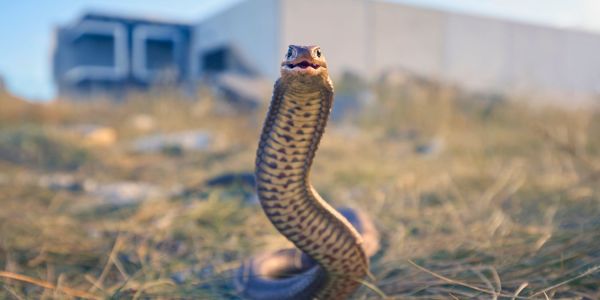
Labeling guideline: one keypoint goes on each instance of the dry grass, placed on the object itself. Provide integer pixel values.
(508, 207)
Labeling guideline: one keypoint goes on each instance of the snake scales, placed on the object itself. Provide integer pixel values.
(332, 258)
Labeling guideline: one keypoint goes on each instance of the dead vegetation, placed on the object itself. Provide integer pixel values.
(475, 196)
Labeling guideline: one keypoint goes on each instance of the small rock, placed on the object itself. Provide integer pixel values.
(434, 146)
(143, 122)
(193, 273)
(95, 135)
(126, 193)
(67, 182)
(187, 141)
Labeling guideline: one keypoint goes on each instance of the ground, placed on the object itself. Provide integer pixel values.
(475, 196)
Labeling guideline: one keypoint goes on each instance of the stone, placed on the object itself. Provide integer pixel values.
(66, 182)
(95, 135)
(127, 192)
(431, 147)
(143, 122)
(195, 140)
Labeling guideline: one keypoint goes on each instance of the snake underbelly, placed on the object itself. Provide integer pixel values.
(290, 137)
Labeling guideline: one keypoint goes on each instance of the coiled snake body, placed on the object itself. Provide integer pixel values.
(334, 258)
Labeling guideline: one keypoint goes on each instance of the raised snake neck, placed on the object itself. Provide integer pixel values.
(290, 137)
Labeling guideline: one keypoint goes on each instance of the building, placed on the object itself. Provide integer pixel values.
(367, 38)
(370, 37)
(111, 55)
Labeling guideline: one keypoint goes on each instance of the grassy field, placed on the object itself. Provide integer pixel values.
(475, 197)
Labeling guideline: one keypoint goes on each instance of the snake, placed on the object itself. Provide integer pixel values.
(333, 246)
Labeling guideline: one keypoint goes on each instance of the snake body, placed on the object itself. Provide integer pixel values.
(333, 259)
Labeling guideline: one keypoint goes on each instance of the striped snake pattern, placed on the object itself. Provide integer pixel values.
(301, 103)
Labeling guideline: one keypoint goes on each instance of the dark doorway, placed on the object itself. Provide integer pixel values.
(160, 55)
(215, 61)
(92, 49)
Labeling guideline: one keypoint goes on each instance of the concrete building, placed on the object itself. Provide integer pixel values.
(370, 37)
(365, 37)
(110, 55)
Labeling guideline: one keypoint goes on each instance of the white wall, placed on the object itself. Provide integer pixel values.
(370, 37)
(338, 26)
(477, 51)
(582, 62)
(251, 27)
(407, 37)
(486, 53)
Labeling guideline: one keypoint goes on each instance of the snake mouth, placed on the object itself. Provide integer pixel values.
(303, 65)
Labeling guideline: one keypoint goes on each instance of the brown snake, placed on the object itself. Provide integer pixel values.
(334, 258)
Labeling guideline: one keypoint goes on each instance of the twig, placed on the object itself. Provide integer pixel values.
(374, 288)
(149, 285)
(452, 281)
(487, 282)
(116, 247)
(442, 277)
(69, 291)
(520, 289)
(584, 274)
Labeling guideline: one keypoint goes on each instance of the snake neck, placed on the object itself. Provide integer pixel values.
(291, 134)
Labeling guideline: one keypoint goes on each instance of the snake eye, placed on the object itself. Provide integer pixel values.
(318, 52)
(290, 52)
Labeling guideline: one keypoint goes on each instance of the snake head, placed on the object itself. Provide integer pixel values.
(304, 60)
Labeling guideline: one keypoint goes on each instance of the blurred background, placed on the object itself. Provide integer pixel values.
(469, 129)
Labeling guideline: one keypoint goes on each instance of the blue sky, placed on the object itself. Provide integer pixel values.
(26, 26)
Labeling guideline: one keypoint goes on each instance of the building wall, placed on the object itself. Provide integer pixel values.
(486, 53)
(582, 62)
(476, 51)
(408, 38)
(250, 29)
(369, 37)
(338, 26)
(522, 57)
